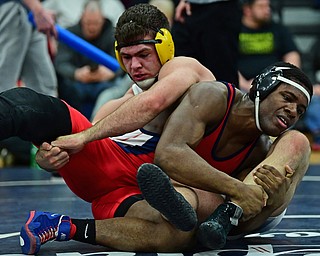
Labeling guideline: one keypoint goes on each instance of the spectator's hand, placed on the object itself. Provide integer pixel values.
(71, 143)
(51, 158)
(83, 75)
(102, 74)
(274, 183)
(44, 19)
(45, 22)
(182, 8)
(251, 198)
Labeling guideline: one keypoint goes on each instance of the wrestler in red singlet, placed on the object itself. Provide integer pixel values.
(104, 172)
(207, 146)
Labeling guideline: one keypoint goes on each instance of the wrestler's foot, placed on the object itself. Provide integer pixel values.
(213, 232)
(42, 227)
(158, 191)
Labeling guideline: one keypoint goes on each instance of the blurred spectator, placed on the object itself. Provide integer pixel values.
(24, 60)
(262, 42)
(166, 6)
(316, 60)
(68, 12)
(312, 116)
(23, 49)
(80, 79)
(208, 31)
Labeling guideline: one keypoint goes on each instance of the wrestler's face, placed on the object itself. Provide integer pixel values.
(282, 109)
(141, 61)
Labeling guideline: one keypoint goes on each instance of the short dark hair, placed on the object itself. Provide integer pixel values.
(139, 21)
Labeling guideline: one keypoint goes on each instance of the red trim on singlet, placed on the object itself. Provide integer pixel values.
(207, 146)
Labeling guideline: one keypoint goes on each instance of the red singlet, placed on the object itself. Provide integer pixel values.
(104, 172)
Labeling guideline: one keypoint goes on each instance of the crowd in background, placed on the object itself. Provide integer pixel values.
(234, 39)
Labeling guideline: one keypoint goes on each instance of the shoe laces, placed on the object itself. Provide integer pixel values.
(48, 234)
(50, 231)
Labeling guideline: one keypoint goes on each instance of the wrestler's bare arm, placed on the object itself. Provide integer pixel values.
(175, 77)
(50, 157)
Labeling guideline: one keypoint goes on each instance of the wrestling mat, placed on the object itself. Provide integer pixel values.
(24, 189)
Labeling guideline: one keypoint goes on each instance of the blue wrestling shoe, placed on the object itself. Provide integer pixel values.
(213, 232)
(158, 191)
(42, 227)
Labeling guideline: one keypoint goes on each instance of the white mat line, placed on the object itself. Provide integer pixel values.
(301, 216)
(32, 183)
(311, 178)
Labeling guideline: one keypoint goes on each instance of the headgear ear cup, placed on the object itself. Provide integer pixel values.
(165, 49)
(118, 57)
(265, 82)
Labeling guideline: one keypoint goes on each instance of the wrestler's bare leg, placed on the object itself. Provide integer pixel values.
(142, 229)
(293, 149)
(290, 151)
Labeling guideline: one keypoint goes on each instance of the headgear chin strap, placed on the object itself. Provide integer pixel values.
(256, 111)
(147, 83)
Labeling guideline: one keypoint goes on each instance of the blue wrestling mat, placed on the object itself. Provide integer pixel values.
(23, 189)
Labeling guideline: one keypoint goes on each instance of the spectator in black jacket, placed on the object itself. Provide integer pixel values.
(80, 79)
